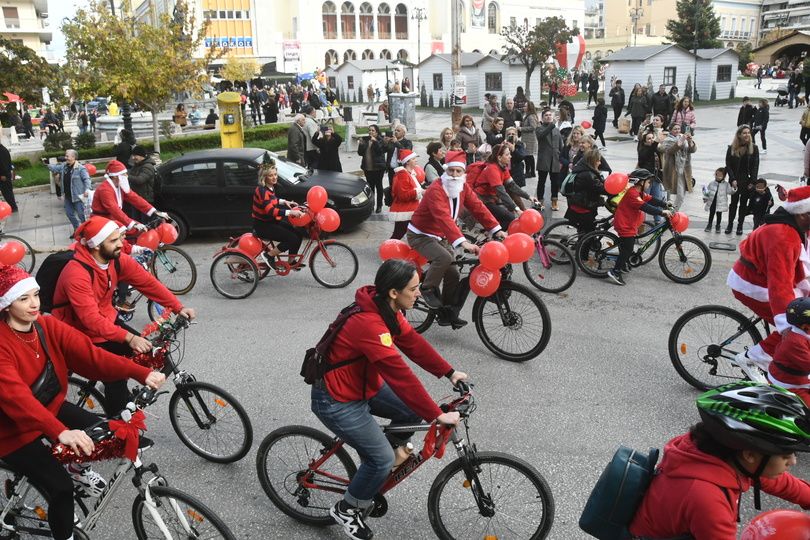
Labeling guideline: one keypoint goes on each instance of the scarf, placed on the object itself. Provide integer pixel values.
(471, 130)
(453, 186)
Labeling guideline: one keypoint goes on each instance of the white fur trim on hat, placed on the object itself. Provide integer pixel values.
(409, 157)
(108, 228)
(17, 290)
(462, 164)
(798, 207)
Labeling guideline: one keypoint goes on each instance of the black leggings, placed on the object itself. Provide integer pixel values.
(740, 198)
(713, 212)
(288, 237)
(600, 135)
(529, 160)
(400, 228)
(116, 393)
(374, 179)
(636, 124)
(502, 214)
(541, 184)
(804, 136)
(592, 95)
(626, 246)
(761, 132)
(35, 461)
(617, 112)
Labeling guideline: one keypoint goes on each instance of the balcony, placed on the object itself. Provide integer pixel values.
(735, 34)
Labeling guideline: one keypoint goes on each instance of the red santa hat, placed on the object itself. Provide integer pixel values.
(14, 282)
(95, 230)
(798, 200)
(115, 168)
(455, 158)
(405, 156)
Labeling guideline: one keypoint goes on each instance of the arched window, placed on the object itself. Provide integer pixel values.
(494, 52)
(401, 21)
(476, 51)
(493, 18)
(462, 14)
(349, 55)
(384, 22)
(366, 21)
(402, 55)
(329, 21)
(385, 54)
(330, 58)
(368, 54)
(347, 26)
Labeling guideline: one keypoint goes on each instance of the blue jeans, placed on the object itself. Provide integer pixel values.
(353, 422)
(657, 191)
(74, 211)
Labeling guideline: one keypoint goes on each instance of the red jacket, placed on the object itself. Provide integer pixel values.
(365, 334)
(688, 496)
(490, 178)
(406, 192)
(24, 419)
(435, 217)
(89, 306)
(793, 353)
(107, 203)
(629, 217)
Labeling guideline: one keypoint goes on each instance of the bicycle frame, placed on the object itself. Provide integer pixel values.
(654, 233)
(714, 351)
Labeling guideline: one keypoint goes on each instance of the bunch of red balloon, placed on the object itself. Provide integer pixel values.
(585, 124)
(250, 245)
(616, 182)
(680, 221)
(327, 219)
(397, 249)
(12, 252)
(165, 233)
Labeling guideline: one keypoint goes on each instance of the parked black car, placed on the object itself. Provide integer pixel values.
(213, 189)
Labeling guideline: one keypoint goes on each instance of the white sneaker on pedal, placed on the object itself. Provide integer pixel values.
(92, 482)
(351, 519)
(751, 368)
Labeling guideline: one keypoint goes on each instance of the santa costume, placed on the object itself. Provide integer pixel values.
(109, 198)
(406, 192)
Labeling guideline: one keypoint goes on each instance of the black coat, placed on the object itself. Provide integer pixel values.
(329, 159)
(588, 187)
(123, 153)
(616, 97)
(510, 117)
(377, 154)
(395, 146)
(743, 169)
(5, 163)
(648, 158)
(660, 104)
(518, 166)
(593, 83)
(600, 118)
(761, 118)
(746, 115)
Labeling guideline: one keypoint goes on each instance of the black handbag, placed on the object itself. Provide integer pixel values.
(47, 385)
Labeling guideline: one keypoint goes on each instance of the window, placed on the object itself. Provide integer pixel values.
(349, 55)
(330, 58)
(368, 54)
(722, 23)
(230, 14)
(329, 21)
(401, 21)
(195, 174)
(385, 54)
(724, 73)
(438, 83)
(492, 18)
(239, 174)
(350, 82)
(493, 82)
(647, 28)
(238, 14)
(734, 24)
(402, 55)
(574, 24)
(366, 21)
(669, 76)
(222, 14)
(332, 82)
(347, 26)
(384, 22)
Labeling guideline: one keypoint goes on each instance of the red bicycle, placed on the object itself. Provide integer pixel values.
(235, 274)
(479, 495)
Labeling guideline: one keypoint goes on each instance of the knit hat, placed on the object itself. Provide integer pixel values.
(14, 282)
(138, 150)
(115, 168)
(455, 158)
(406, 155)
(798, 200)
(95, 230)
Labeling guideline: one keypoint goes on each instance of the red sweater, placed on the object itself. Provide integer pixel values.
(629, 217)
(25, 419)
(492, 176)
(365, 334)
(793, 352)
(89, 301)
(687, 496)
(107, 203)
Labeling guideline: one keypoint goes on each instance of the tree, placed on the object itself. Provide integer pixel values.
(533, 46)
(239, 69)
(681, 30)
(136, 61)
(744, 50)
(25, 72)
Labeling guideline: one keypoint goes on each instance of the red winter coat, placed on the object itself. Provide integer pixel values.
(365, 334)
(24, 419)
(434, 217)
(406, 193)
(629, 217)
(688, 496)
(107, 203)
(89, 306)
(793, 353)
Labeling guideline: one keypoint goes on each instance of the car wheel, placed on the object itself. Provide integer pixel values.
(181, 226)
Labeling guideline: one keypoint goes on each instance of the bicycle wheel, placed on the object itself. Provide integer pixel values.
(211, 422)
(705, 339)
(651, 251)
(282, 463)
(85, 395)
(685, 259)
(420, 316)
(29, 259)
(564, 232)
(154, 310)
(513, 323)
(234, 275)
(334, 265)
(182, 515)
(518, 496)
(597, 252)
(560, 271)
(29, 516)
(174, 268)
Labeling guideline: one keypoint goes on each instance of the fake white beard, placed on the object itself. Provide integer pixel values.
(123, 183)
(453, 186)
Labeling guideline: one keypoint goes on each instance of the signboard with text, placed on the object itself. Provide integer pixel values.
(460, 90)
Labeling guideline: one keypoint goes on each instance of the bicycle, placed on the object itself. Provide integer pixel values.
(514, 314)
(158, 511)
(305, 472)
(683, 259)
(551, 268)
(704, 342)
(236, 275)
(29, 259)
(207, 419)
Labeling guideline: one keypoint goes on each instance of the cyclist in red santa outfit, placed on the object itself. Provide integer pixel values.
(114, 191)
(773, 269)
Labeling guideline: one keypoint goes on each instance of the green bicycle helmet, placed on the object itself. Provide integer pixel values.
(750, 416)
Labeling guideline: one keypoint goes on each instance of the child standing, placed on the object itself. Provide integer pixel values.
(791, 362)
(760, 202)
(629, 217)
(600, 120)
(715, 198)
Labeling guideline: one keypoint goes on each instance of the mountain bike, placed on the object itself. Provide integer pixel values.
(704, 342)
(158, 511)
(551, 268)
(683, 259)
(513, 323)
(479, 495)
(236, 275)
(207, 419)
(29, 259)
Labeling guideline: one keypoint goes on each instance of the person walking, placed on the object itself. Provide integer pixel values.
(742, 166)
(529, 137)
(660, 104)
(328, 143)
(617, 101)
(75, 182)
(373, 164)
(677, 170)
(746, 114)
(761, 118)
(296, 141)
(7, 178)
(637, 108)
(593, 88)
(549, 147)
(793, 90)
(600, 121)
(270, 109)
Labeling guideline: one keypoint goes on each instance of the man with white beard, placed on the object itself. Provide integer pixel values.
(114, 191)
(433, 232)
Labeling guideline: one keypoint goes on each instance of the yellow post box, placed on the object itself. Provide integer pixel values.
(230, 120)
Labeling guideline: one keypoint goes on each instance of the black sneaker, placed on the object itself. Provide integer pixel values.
(145, 443)
(449, 317)
(616, 277)
(708, 228)
(352, 521)
(728, 230)
(430, 298)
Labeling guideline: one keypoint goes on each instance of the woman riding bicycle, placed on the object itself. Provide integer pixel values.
(36, 354)
(269, 213)
(586, 195)
(495, 185)
(378, 382)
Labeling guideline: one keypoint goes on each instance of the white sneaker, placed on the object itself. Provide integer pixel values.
(763, 152)
(751, 368)
(92, 482)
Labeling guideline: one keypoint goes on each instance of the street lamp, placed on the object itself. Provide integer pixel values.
(635, 14)
(697, 30)
(419, 15)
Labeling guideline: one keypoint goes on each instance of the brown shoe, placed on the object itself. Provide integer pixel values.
(554, 205)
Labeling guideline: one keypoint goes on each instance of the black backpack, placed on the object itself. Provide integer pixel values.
(49, 272)
(316, 364)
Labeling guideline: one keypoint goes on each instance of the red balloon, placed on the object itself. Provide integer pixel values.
(316, 198)
(328, 220)
(91, 169)
(531, 221)
(484, 282)
(5, 210)
(149, 239)
(250, 245)
(680, 221)
(394, 249)
(11, 253)
(616, 182)
(494, 255)
(586, 124)
(514, 227)
(417, 258)
(420, 174)
(167, 233)
(302, 221)
(520, 246)
(778, 525)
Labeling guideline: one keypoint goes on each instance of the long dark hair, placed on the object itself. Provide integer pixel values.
(392, 274)
(704, 441)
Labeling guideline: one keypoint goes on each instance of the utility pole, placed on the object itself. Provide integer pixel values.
(697, 31)
(419, 15)
(456, 57)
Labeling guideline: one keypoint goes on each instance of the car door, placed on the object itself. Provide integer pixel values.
(192, 191)
(240, 181)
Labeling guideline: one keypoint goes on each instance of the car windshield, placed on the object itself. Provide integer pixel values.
(287, 170)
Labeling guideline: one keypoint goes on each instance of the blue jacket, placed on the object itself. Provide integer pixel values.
(79, 180)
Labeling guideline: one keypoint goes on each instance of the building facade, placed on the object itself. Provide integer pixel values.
(26, 22)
